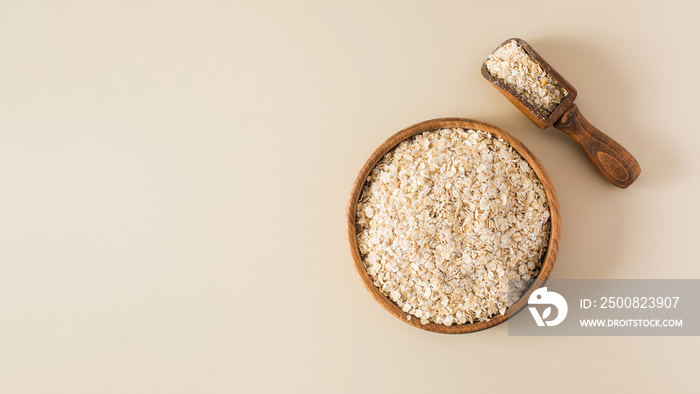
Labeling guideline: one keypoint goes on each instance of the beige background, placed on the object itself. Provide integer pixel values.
(174, 174)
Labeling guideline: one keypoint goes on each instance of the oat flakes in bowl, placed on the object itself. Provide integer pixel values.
(452, 224)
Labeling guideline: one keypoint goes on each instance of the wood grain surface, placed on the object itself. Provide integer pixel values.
(613, 161)
(548, 259)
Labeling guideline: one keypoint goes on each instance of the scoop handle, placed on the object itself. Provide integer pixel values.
(613, 161)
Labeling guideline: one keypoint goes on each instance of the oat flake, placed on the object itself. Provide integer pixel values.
(444, 222)
(512, 65)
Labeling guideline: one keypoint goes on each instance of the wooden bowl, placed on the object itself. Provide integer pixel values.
(547, 260)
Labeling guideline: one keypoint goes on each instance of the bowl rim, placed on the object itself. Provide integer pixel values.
(548, 259)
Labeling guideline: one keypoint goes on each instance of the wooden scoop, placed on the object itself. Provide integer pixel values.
(612, 160)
